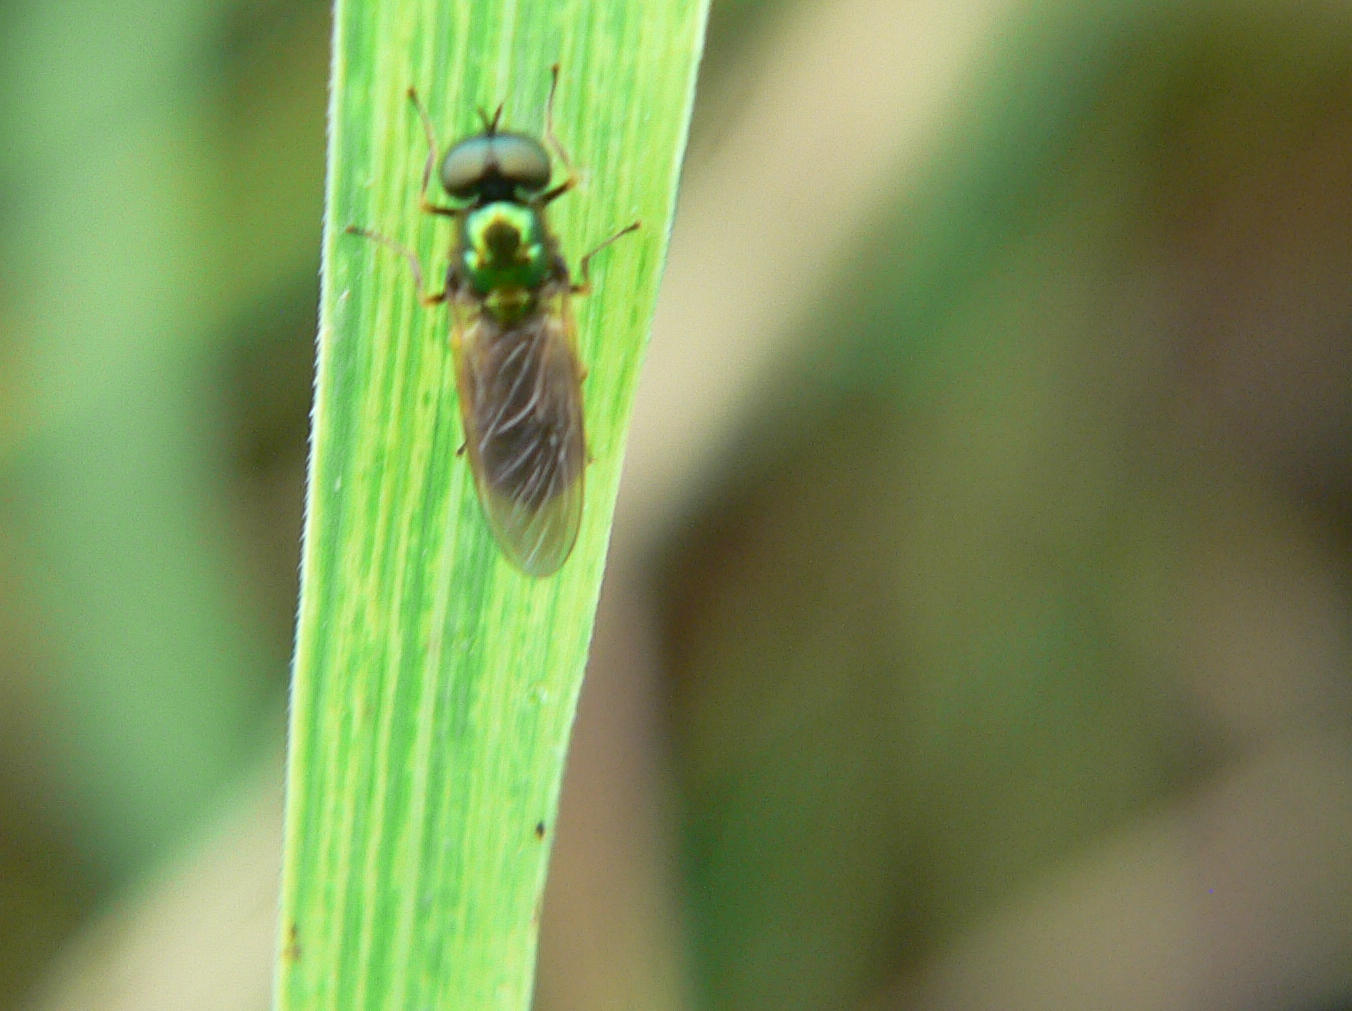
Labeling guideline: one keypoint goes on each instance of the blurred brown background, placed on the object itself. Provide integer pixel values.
(977, 627)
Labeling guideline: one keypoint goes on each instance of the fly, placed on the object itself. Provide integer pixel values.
(513, 337)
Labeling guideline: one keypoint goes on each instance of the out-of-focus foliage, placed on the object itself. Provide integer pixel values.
(162, 177)
(1056, 413)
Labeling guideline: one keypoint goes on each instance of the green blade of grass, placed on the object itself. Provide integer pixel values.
(434, 685)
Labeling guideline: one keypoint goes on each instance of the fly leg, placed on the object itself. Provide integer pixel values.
(424, 296)
(423, 202)
(572, 178)
(584, 286)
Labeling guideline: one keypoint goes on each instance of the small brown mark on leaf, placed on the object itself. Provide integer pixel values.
(291, 950)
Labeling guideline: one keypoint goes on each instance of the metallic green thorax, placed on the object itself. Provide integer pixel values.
(505, 255)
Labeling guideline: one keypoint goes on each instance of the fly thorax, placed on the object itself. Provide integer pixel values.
(509, 303)
(504, 248)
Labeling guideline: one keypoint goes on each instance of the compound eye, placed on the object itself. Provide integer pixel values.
(521, 161)
(465, 167)
(488, 161)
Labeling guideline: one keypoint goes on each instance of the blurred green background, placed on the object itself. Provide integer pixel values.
(977, 627)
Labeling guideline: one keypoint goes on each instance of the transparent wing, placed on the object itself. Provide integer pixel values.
(521, 403)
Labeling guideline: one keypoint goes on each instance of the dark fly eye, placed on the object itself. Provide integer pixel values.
(493, 164)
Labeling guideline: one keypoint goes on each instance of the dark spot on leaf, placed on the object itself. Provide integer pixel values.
(291, 950)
